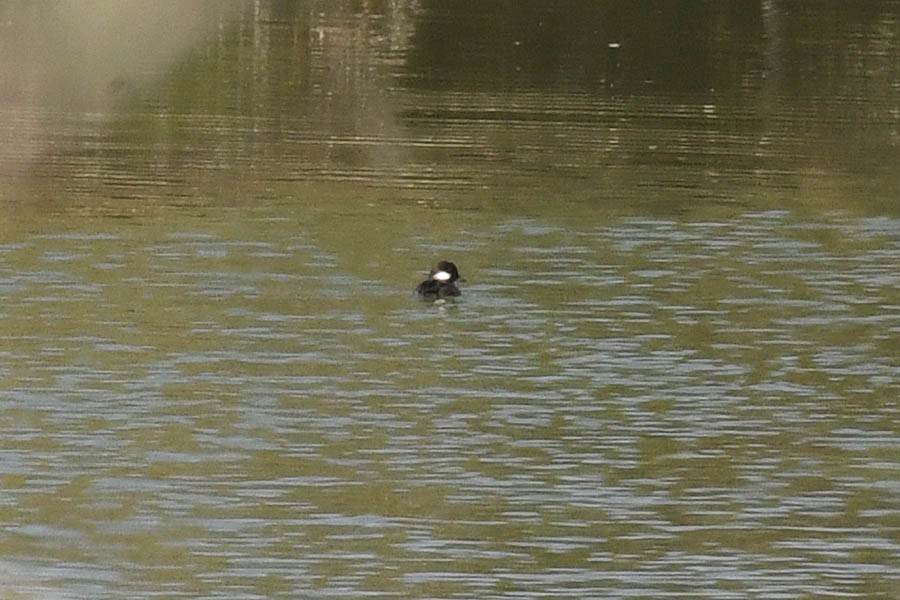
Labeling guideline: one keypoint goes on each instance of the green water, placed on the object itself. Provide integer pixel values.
(672, 372)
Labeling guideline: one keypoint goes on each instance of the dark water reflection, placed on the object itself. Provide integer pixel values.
(672, 372)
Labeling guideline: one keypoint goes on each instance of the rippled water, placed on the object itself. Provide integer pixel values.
(672, 372)
(649, 404)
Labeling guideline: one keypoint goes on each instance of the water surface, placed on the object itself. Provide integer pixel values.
(672, 373)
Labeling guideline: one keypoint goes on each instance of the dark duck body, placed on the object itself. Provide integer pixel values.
(441, 282)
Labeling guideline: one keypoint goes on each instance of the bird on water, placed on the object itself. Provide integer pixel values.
(441, 282)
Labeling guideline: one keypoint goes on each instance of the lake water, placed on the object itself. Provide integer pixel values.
(673, 371)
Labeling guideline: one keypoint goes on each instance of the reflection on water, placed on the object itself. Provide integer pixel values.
(672, 371)
(741, 101)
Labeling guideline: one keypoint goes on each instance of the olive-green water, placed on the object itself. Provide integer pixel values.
(674, 370)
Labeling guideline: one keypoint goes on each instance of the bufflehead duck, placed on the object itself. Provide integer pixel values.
(441, 282)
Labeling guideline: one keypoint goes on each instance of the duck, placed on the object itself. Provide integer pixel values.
(441, 282)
